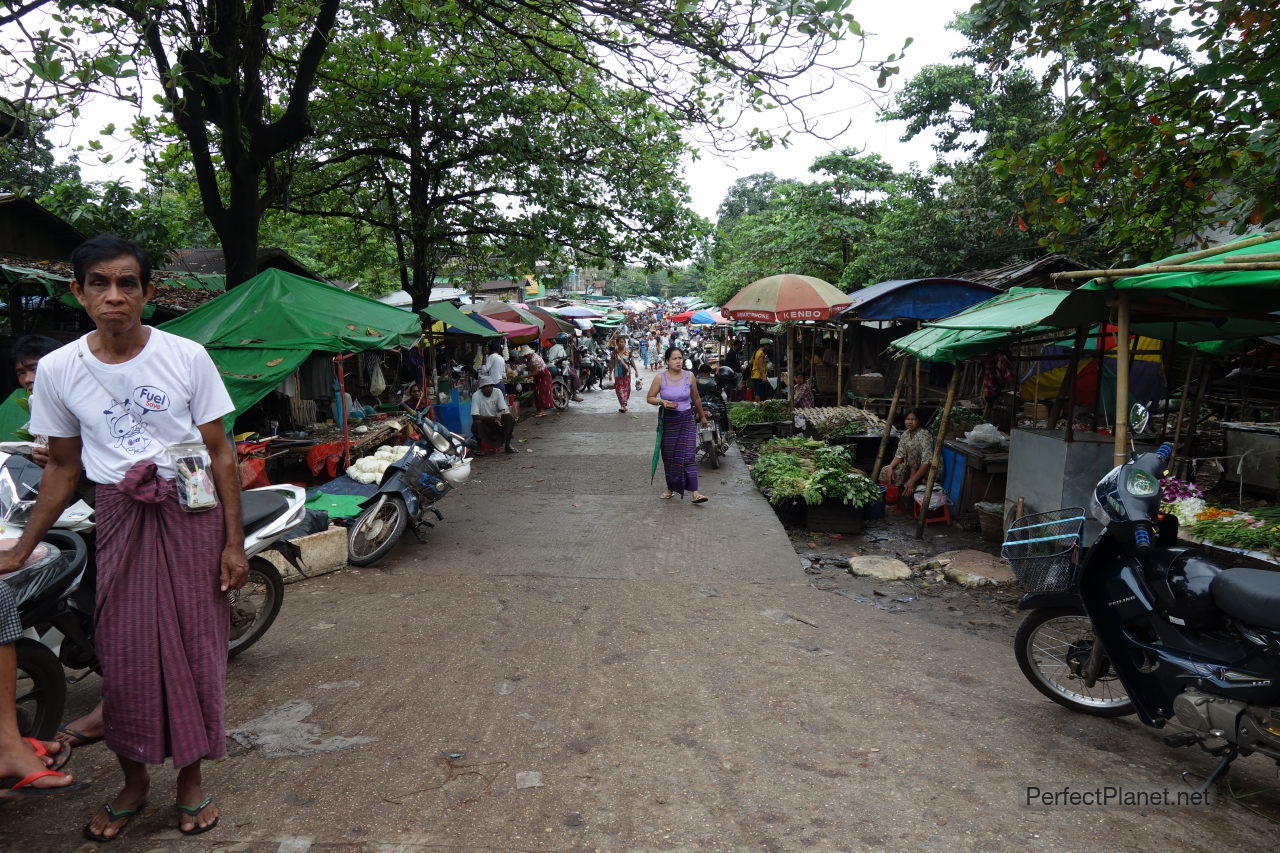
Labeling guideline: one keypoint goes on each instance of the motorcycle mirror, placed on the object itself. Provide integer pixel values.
(439, 441)
(1139, 417)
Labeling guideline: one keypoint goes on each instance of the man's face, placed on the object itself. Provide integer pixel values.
(486, 390)
(112, 294)
(26, 371)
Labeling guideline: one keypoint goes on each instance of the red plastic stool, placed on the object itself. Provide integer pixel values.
(942, 517)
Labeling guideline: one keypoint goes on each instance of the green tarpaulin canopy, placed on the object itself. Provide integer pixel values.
(1248, 292)
(260, 332)
(448, 313)
(13, 416)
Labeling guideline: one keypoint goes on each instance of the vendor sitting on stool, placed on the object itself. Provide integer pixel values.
(491, 419)
(911, 462)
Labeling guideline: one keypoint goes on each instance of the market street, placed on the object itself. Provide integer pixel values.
(669, 675)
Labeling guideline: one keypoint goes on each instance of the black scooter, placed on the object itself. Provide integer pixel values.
(1139, 623)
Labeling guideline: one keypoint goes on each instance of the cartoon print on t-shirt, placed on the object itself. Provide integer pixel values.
(125, 418)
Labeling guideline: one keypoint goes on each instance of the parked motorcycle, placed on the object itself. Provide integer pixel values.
(55, 591)
(561, 383)
(1138, 623)
(713, 439)
(591, 370)
(433, 464)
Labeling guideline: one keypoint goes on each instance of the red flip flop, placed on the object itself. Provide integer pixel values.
(60, 758)
(22, 787)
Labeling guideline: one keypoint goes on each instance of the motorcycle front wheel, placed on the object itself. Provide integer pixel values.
(1052, 646)
(377, 530)
(42, 690)
(254, 606)
(560, 395)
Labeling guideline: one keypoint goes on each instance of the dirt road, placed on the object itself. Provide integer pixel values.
(571, 664)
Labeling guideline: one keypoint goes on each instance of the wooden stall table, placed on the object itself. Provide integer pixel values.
(973, 474)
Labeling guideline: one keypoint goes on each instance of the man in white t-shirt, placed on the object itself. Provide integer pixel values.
(114, 403)
(491, 419)
(495, 366)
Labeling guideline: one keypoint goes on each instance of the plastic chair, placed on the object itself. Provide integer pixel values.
(942, 515)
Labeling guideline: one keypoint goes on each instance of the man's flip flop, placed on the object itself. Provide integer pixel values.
(60, 758)
(75, 738)
(126, 815)
(193, 811)
(12, 786)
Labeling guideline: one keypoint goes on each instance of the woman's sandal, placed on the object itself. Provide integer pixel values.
(194, 811)
(126, 815)
(666, 496)
(700, 499)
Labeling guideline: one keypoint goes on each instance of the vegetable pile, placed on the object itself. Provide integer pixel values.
(836, 423)
(769, 411)
(1238, 530)
(813, 471)
(371, 468)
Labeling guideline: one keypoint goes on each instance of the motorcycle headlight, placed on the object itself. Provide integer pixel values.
(1140, 484)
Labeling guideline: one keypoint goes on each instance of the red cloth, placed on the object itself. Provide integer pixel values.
(162, 622)
(253, 473)
(622, 387)
(542, 390)
(325, 457)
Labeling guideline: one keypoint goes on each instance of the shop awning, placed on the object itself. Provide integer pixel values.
(448, 314)
(916, 299)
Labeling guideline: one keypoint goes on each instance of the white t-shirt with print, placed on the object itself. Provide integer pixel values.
(130, 412)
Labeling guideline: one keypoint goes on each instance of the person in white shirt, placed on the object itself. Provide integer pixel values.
(117, 403)
(491, 420)
(495, 367)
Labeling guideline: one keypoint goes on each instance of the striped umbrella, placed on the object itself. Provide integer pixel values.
(780, 298)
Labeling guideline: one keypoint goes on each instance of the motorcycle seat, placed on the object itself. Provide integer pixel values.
(258, 508)
(1250, 595)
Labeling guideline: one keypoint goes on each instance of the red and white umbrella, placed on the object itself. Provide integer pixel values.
(781, 298)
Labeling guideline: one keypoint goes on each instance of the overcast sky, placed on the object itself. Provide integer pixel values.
(887, 25)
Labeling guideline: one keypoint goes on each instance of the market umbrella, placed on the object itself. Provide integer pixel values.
(706, 317)
(682, 317)
(780, 298)
(509, 312)
(578, 312)
(518, 333)
(554, 325)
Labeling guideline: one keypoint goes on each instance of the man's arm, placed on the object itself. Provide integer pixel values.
(57, 487)
(234, 568)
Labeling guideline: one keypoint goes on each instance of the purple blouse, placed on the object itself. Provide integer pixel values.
(678, 393)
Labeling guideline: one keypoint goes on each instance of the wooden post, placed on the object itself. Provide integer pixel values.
(1182, 403)
(888, 421)
(791, 372)
(1121, 450)
(840, 367)
(1206, 371)
(936, 460)
(1073, 373)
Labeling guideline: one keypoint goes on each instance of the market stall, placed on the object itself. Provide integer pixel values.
(263, 335)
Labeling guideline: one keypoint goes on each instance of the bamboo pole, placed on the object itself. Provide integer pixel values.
(1182, 261)
(936, 460)
(1073, 374)
(1121, 450)
(1206, 372)
(1182, 403)
(888, 421)
(1250, 266)
(840, 367)
(791, 373)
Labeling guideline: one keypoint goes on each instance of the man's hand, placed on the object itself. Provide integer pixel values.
(10, 561)
(40, 455)
(235, 567)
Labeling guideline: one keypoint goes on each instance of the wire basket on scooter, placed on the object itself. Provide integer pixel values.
(1043, 549)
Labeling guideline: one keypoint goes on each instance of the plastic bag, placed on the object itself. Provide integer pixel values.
(377, 383)
(986, 435)
(192, 464)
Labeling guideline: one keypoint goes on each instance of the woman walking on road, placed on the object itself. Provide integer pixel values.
(623, 365)
(675, 391)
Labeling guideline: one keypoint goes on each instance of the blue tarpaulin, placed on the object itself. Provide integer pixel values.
(921, 299)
